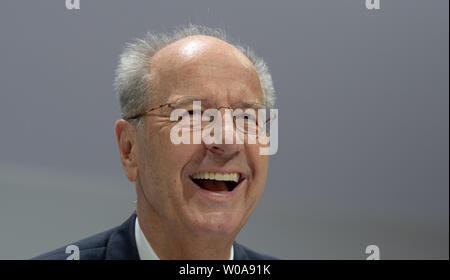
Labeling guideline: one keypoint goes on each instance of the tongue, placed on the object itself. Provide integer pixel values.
(213, 185)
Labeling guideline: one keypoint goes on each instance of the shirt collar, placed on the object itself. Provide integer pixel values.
(146, 251)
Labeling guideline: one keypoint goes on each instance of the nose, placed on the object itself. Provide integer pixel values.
(224, 150)
(226, 143)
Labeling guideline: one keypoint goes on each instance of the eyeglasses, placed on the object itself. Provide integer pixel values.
(248, 117)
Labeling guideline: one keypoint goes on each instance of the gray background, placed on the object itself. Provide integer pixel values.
(364, 127)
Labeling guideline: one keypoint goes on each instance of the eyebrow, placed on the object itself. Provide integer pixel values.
(242, 103)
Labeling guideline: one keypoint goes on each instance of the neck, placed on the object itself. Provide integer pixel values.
(171, 242)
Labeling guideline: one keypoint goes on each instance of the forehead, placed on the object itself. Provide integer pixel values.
(207, 67)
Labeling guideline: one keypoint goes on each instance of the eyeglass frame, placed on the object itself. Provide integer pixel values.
(140, 115)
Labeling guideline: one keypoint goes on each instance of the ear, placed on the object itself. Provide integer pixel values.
(126, 139)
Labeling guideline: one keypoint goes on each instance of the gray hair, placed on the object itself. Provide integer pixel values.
(133, 80)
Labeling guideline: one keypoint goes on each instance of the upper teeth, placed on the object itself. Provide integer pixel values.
(217, 176)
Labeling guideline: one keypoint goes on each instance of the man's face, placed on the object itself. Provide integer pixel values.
(208, 68)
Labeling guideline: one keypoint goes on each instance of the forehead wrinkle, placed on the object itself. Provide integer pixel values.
(234, 89)
(194, 79)
(214, 71)
(172, 70)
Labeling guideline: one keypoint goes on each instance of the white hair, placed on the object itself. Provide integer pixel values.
(133, 80)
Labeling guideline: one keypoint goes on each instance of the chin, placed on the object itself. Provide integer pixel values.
(217, 224)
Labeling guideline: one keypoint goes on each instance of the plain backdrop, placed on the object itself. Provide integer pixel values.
(363, 99)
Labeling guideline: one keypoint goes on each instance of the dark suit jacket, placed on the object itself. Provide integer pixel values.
(120, 243)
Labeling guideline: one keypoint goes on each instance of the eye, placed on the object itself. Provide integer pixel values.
(186, 114)
(246, 117)
(191, 112)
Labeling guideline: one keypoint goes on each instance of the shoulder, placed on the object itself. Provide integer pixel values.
(116, 243)
(93, 247)
(241, 252)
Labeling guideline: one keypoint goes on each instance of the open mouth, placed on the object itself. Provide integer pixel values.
(217, 182)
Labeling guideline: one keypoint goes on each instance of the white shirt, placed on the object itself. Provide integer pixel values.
(145, 250)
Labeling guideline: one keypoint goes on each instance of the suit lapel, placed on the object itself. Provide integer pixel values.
(239, 252)
(122, 243)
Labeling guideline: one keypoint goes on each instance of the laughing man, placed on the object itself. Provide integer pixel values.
(192, 199)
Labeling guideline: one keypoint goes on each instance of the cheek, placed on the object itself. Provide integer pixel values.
(162, 154)
(176, 157)
(161, 170)
(165, 161)
(258, 163)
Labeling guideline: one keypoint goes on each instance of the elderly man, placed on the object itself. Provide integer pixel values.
(192, 199)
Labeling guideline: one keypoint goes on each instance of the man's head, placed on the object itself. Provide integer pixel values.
(195, 61)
